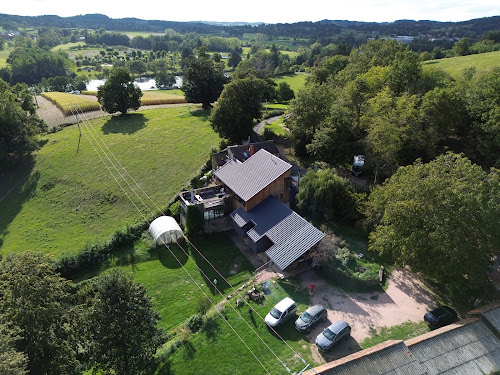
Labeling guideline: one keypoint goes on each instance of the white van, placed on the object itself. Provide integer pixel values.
(280, 313)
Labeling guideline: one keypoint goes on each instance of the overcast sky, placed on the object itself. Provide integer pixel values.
(268, 11)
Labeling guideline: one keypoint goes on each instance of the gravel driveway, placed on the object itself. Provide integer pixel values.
(406, 299)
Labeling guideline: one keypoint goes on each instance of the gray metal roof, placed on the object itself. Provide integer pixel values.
(468, 349)
(291, 234)
(392, 359)
(254, 174)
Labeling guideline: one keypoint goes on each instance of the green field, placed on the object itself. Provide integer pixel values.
(3, 58)
(296, 81)
(71, 199)
(455, 65)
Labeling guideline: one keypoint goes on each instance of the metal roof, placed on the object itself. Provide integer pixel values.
(290, 234)
(465, 349)
(389, 358)
(254, 174)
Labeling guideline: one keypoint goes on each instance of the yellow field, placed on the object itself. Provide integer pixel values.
(158, 97)
(68, 102)
(153, 97)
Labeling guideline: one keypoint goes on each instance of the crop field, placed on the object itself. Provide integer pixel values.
(456, 65)
(68, 102)
(65, 196)
(161, 97)
(156, 97)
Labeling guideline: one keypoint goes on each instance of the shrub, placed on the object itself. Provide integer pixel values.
(194, 323)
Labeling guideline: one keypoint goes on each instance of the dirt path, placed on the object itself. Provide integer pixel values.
(406, 299)
(53, 116)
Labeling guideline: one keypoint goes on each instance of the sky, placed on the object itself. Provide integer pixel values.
(267, 11)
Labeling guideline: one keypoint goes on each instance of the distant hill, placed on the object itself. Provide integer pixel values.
(325, 28)
(456, 65)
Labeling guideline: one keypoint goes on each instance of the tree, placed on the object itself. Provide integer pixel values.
(325, 196)
(37, 302)
(441, 218)
(12, 362)
(336, 141)
(124, 328)
(19, 124)
(119, 93)
(309, 109)
(164, 79)
(203, 79)
(284, 92)
(238, 106)
(461, 48)
(234, 58)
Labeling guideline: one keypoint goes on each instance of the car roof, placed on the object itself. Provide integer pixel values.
(442, 310)
(338, 326)
(316, 309)
(284, 304)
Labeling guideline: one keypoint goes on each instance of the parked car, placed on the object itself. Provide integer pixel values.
(440, 317)
(312, 316)
(333, 334)
(281, 312)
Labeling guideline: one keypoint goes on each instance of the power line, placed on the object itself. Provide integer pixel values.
(208, 262)
(121, 186)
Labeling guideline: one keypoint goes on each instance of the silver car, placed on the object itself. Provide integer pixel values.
(334, 333)
(312, 316)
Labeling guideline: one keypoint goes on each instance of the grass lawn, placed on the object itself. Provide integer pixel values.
(296, 81)
(455, 65)
(403, 331)
(277, 127)
(71, 198)
(3, 58)
(217, 350)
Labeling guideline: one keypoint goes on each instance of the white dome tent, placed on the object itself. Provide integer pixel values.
(165, 230)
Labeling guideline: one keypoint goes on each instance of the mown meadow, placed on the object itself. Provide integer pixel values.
(456, 65)
(65, 197)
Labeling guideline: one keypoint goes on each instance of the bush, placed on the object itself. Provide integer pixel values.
(194, 323)
(194, 222)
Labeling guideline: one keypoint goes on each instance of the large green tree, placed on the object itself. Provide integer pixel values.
(19, 124)
(30, 65)
(202, 79)
(37, 302)
(441, 218)
(119, 93)
(124, 328)
(238, 106)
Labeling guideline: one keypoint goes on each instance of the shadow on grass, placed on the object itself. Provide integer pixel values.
(17, 187)
(212, 329)
(189, 350)
(225, 258)
(177, 260)
(127, 124)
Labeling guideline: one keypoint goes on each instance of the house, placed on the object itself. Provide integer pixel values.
(252, 197)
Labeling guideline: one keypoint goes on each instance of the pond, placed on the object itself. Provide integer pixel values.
(144, 83)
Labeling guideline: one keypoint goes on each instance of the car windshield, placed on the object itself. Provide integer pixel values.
(329, 334)
(306, 317)
(275, 313)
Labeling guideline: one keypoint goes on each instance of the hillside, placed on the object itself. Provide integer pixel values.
(455, 65)
(470, 28)
(70, 197)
